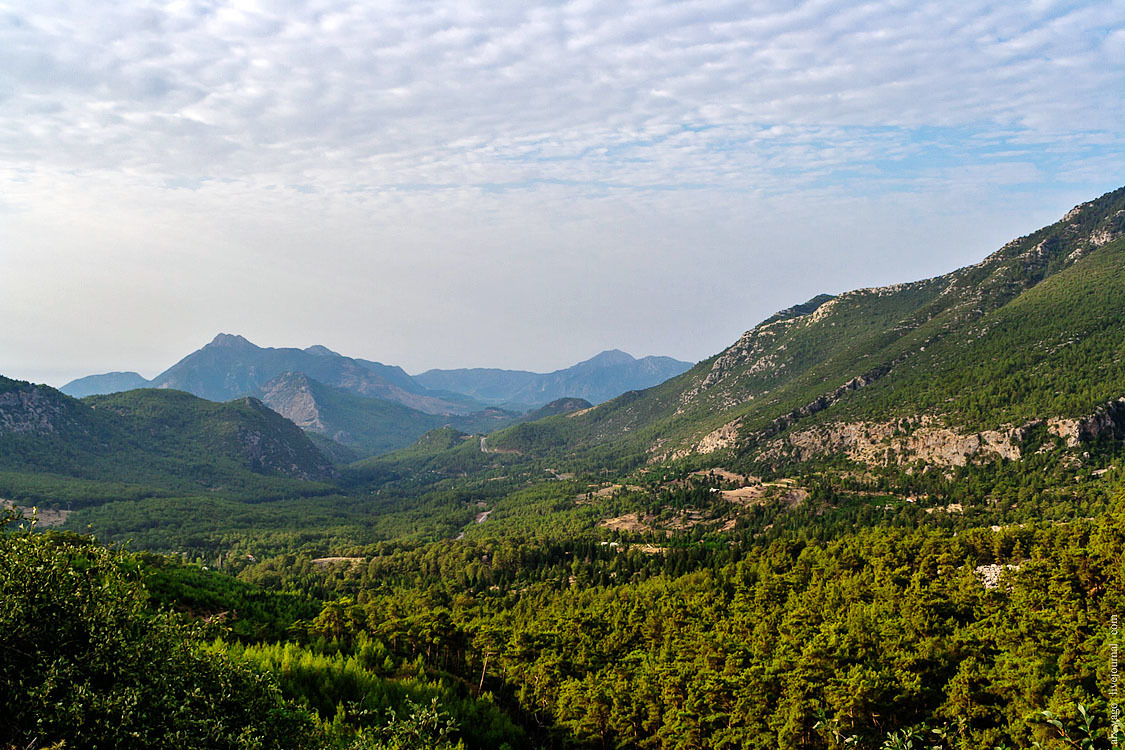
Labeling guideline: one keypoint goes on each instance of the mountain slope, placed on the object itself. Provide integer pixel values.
(368, 425)
(964, 350)
(162, 440)
(598, 379)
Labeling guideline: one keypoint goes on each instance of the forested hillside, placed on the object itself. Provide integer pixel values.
(148, 442)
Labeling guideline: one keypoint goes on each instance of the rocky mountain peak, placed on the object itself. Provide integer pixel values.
(231, 341)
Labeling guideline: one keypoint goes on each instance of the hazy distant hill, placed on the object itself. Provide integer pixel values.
(110, 382)
(368, 425)
(598, 379)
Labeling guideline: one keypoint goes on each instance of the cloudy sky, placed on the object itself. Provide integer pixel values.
(518, 184)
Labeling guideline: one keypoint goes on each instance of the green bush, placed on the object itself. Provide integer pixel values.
(83, 661)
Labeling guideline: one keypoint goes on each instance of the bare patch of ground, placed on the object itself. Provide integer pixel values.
(727, 476)
(44, 516)
(593, 494)
(951, 508)
(485, 449)
(784, 490)
(627, 522)
(752, 493)
(326, 561)
(685, 521)
(648, 549)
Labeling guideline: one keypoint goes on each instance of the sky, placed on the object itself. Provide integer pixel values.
(518, 184)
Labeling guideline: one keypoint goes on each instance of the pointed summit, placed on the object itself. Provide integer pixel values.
(232, 341)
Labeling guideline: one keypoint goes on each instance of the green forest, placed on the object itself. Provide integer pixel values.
(838, 624)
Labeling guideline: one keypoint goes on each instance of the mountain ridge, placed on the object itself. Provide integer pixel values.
(230, 366)
(797, 366)
(106, 382)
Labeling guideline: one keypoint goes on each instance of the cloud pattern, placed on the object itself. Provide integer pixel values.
(641, 94)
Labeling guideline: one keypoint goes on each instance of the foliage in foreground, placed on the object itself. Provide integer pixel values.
(84, 662)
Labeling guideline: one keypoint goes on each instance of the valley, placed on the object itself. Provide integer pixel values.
(885, 515)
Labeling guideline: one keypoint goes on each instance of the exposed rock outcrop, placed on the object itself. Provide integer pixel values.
(35, 410)
(990, 575)
(724, 437)
(928, 440)
(1107, 419)
(887, 442)
(290, 396)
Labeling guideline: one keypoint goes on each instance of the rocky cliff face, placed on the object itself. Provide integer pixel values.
(923, 439)
(898, 442)
(291, 396)
(1107, 420)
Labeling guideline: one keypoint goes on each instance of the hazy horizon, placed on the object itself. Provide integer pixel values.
(444, 185)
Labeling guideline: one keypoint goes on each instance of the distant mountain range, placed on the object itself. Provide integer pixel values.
(370, 407)
(598, 379)
(230, 366)
(109, 382)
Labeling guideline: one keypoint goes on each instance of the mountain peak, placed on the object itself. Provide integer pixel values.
(610, 358)
(231, 340)
(321, 351)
